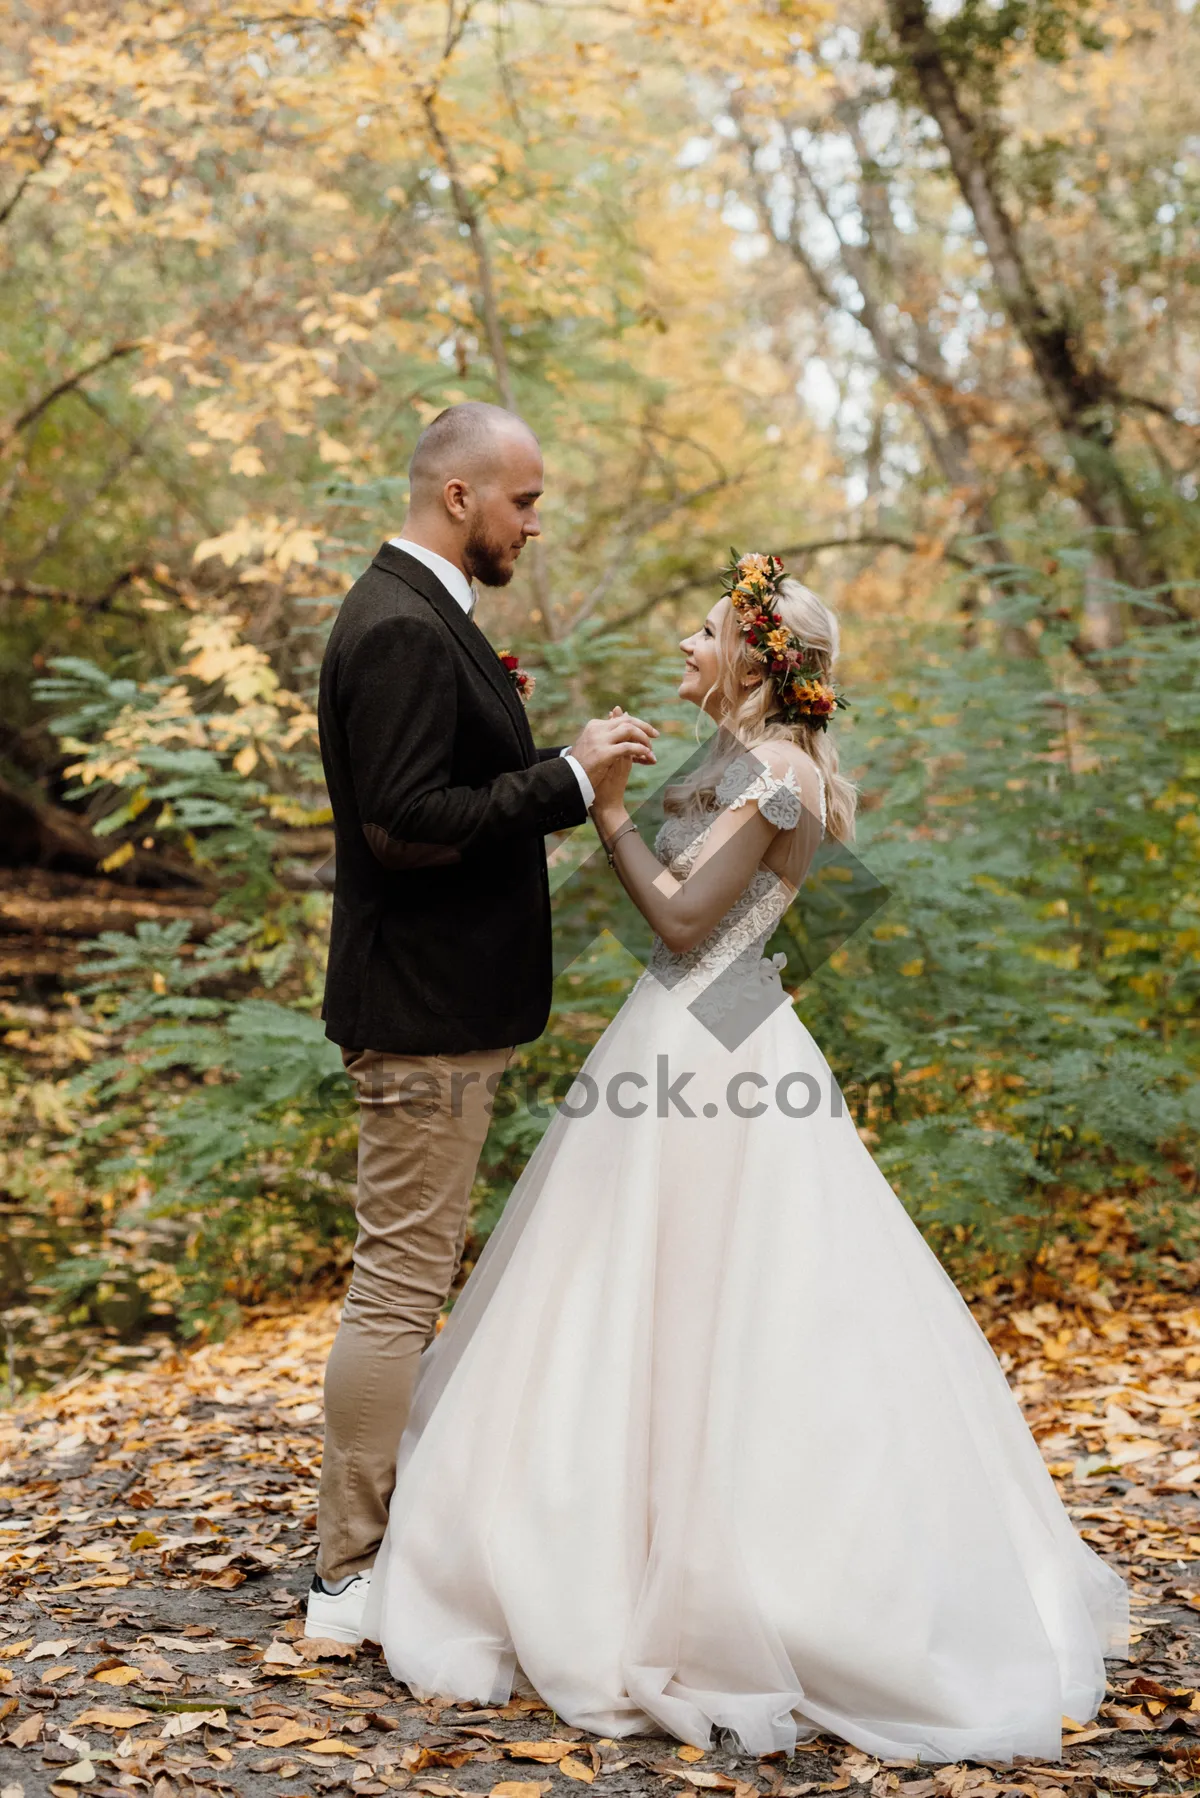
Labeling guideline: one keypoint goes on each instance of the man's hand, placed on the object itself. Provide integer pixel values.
(604, 743)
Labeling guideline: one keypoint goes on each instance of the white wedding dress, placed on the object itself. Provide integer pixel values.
(710, 1438)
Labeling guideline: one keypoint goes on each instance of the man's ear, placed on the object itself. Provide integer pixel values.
(454, 498)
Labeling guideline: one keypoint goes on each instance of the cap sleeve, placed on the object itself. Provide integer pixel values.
(751, 780)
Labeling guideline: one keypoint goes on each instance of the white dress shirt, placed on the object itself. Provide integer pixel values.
(459, 587)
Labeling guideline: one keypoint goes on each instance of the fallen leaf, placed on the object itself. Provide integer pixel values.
(1126, 1719)
(49, 1650)
(417, 1759)
(189, 1645)
(287, 1734)
(151, 1663)
(279, 1654)
(229, 1580)
(12, 1791)
(574, 1768)
(82, 1773)
(698, 1776)
(688, 1753)
(12, 1649)
(323, 1648)
(520, 1788)
(102, 1718)
(117, 1676)
(184, 1722)
(549, 1750)
(25, 1734)
(330, 1745)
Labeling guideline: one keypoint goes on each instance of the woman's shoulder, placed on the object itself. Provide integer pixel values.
(778, 776)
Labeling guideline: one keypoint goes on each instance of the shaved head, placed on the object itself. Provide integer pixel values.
(474, 482)
(469, 442)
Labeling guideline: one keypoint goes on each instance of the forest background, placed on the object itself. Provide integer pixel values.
(907, 293)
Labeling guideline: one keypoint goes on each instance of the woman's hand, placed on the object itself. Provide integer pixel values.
(608, 807)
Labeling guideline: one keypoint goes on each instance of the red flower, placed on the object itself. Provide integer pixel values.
(521, 679)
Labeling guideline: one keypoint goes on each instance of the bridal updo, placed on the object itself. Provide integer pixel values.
(750, 711)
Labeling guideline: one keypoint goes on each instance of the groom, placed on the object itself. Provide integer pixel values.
(439, 954)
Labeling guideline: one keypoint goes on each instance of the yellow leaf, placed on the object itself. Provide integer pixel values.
(330, 450)
(246, 760)
(103, 1718)
(575, 1769)
(117, 859)
(154, 386)
(298, 546)
(330, 1746)
(324, 1648)
(28, 1731)
(247, 460)
(913, 967)
(688, 1753)
(548, 1750)
(117, 1676)
(520, 1788)
(287, 1733)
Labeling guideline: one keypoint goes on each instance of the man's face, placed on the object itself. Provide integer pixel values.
(502, 512)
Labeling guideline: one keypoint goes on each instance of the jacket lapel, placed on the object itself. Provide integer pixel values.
(423, 581)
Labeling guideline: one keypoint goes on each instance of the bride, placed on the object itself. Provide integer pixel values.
(710, 1440)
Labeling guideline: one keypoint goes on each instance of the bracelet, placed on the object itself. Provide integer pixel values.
(616, 837)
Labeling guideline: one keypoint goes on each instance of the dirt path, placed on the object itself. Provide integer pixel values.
(157, 1532)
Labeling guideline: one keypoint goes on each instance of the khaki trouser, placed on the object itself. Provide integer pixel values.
(422, 1124)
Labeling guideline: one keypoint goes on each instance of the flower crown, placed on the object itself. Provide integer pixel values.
(752, 584)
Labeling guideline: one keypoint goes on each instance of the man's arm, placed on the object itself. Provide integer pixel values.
(577, 769)
(397, 695)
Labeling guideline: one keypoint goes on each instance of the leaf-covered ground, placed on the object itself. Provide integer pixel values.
(157, 1532)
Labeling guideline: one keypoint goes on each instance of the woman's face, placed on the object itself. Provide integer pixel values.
(702, 660)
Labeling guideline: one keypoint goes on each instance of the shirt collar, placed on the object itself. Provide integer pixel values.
(452, 578)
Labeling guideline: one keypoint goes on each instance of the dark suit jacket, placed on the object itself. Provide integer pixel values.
(440, 938)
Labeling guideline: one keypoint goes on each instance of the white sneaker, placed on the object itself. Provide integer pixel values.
(337, 1614)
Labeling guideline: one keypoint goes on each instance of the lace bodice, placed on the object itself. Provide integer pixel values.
(728, 967)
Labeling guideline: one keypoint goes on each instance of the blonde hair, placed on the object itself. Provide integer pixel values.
(753, 714)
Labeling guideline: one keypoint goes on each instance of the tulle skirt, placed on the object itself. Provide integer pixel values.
(711, 1441)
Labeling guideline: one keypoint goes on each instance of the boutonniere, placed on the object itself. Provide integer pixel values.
(521, 679)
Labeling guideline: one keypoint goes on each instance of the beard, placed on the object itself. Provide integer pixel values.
(485, 557)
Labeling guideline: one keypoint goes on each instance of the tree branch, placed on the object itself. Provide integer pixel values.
(867, 540)
(1077, 391)
(1145, 404)
(45, 151)
(86, 602)
(32, 413)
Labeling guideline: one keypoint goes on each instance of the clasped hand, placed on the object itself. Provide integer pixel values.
(607, 748)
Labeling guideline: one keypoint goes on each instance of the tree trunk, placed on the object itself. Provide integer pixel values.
(1079, 394)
